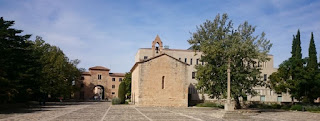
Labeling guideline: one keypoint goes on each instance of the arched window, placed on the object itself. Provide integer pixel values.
(162, 82)
(157, 47)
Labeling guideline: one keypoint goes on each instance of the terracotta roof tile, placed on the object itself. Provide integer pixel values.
(117, 74)
(85, 73)
(99, 68)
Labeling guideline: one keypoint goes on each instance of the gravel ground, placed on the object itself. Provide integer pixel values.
(104, 111)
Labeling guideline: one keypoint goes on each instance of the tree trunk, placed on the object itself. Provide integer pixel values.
(237, 105)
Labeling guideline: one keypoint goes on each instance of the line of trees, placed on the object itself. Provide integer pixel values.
(33, 70)
(298, 76)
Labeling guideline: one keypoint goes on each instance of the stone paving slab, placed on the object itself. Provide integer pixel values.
(104, 111)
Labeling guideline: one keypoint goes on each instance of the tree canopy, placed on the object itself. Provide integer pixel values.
(221, 43)
(30, 70)
(299, 77)
(127, 81)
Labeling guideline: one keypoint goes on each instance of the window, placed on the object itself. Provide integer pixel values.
(202, 62)
(145, 57)
(191, 61)
(99, 76)
(193, 75)
(157, 49)
(265, 77)
(259, 64)
(120, 79)
(185, 60)
(197, 62)
(113, 93)
(82, 78)
(113, 86)
(113, 79)
(162, 82)
(262, 98)
(279, 99)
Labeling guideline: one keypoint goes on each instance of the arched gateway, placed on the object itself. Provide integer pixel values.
(98, 92)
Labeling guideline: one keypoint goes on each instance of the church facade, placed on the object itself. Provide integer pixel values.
(160, 81)
(191, 58)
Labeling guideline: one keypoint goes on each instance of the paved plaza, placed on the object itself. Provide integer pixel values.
(104, 111)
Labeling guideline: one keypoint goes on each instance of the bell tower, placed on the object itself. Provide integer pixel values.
(157, 46)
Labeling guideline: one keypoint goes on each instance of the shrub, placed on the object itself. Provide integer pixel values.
(122, 92)
(275, 106)
(265, 106)
(209, 104)
(116, 101)
(312, 108)
(296, 107)
(286, 107)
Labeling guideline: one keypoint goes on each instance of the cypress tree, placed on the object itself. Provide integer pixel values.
(297, 84)
(312, 83)
(122, 92)
(298, 49)
(293, 47)
(312, 61)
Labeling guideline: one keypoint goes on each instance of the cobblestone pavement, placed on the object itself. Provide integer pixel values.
(104, 111)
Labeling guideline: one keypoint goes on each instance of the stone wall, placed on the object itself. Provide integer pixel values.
(148, 88)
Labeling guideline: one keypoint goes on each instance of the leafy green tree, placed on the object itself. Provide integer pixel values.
(31, 70)
(56, 72)
(279, 79)
(220, 44)
(127, 81)
(122, 92)
(16, 71)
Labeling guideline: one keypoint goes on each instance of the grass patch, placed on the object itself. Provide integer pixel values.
(209, 104)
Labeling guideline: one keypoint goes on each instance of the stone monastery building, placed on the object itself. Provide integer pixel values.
(166, 77)
(99, 84)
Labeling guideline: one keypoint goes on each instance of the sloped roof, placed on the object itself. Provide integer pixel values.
(85, 73)
(171, 49)
(99, 68)
(117, 74)
(146, 60)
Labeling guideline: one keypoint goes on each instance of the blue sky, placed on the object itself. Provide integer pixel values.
(109, 32)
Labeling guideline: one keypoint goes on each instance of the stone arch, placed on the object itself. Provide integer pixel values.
(99, 91)
(155, 49)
